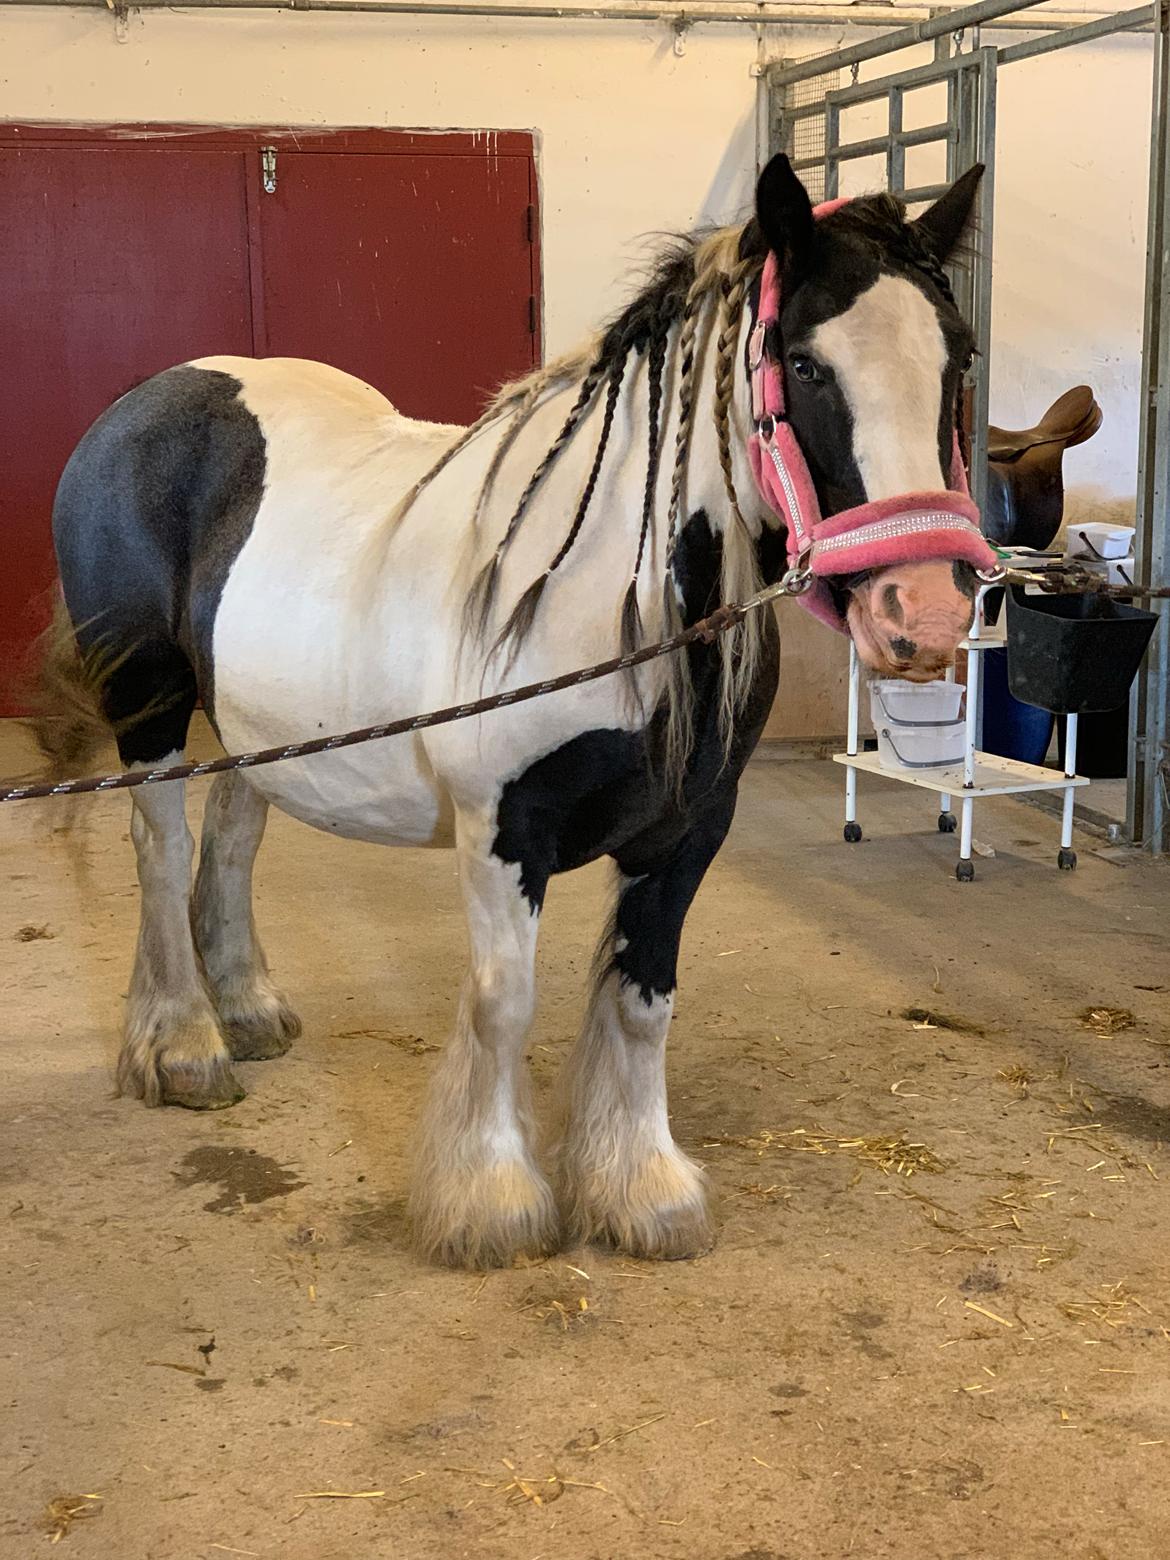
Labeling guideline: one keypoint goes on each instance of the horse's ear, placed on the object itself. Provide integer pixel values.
(784, 212)
(941, 226)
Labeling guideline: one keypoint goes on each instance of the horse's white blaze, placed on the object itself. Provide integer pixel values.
(888, 353)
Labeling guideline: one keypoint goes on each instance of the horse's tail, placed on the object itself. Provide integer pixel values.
(65, 701)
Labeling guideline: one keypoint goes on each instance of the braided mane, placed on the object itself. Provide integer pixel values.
(696, 294)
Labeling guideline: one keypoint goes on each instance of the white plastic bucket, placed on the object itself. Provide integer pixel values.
(892, 701)
(1098, 540)
(918, 725)
(921, 747)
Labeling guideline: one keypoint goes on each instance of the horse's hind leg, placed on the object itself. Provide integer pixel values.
(172, 1051)
(253, 1015)
(622, 1178)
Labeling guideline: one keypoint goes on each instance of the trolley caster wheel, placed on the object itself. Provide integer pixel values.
(965, 871)
(852, 833)
(1066, 860)
(947, 823)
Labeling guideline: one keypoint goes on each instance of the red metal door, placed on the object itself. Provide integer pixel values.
(413, 271)
(407, 259)
(115, 263)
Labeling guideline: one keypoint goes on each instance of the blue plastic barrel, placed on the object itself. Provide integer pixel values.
(1011, 729)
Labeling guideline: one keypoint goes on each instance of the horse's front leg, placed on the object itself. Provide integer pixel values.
(622, 1178)
(479, 1199)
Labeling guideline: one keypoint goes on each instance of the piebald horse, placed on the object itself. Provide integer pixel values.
(271, 536)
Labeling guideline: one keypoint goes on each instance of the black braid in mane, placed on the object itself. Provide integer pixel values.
(641, 328)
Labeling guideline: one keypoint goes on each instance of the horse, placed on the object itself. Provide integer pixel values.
(272, 537)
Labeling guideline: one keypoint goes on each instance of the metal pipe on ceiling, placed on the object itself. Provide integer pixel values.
(1141, 16)
(680, 17)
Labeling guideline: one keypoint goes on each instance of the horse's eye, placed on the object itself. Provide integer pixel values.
(804, 369)
(968, 362)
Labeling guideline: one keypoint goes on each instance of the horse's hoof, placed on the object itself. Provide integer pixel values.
(199, 1086)
(658, 1210)
(500, 1214)
(259, 1031)
(676, 1235)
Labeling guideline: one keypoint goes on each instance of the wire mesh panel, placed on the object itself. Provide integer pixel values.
(806, 121)
(797, 124)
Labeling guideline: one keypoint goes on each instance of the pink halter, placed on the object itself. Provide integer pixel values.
(908, 528)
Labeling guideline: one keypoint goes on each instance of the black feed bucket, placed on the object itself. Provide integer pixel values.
(1074, 655)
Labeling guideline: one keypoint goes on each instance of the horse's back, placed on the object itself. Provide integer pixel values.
(162, 493)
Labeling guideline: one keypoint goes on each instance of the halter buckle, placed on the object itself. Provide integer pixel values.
(798, 579)
(756, 345)
(993, 576)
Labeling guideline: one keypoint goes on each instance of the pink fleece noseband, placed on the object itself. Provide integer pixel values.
(911, 527)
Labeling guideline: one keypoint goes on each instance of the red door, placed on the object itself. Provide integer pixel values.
(408, 260)
(417, 278)
(114, 266)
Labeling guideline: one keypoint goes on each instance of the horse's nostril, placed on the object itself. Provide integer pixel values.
(904, 649)
(891, 605)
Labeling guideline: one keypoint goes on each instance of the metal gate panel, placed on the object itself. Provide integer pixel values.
(969, 137)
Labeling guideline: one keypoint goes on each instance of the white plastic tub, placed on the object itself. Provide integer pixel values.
(1098, 540)
(921, 747)
(892, 701)
(918, 725)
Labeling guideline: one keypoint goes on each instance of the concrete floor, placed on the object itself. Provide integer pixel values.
(209, 1319)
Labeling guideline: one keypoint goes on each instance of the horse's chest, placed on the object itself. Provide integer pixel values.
(586, 799)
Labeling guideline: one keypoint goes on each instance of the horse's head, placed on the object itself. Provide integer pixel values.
(872, 351)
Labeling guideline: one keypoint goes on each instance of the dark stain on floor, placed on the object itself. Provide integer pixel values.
(377, 1222)
(243, 1176)
(1136, 1116)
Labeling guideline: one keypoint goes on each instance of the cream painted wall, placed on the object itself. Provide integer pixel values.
(634, 140)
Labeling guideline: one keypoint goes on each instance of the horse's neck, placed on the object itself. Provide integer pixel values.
(613, 522)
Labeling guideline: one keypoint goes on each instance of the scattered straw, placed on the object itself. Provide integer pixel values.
(929, 1018)
(64, 1510)
(621, 1434)
(536, 1490)
(188, 1370)
(1019, 1078)
(890, 1154)
(983, 1311)
(1106, 1021)
(341, 1495)
(565, 1311)
(763, 1193)
(1112, 1309)
(413, 1045)
(228, 1550)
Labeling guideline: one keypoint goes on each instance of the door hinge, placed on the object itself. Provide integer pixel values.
(532, 316)
(530, 223)
(268, 168)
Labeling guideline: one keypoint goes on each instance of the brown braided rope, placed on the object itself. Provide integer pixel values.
(706, 629)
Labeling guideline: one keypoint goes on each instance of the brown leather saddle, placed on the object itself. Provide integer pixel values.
(1025, 487)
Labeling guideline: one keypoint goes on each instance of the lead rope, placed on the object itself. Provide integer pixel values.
(707, 629)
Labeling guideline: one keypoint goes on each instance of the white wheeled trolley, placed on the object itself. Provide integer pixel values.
(981, 774)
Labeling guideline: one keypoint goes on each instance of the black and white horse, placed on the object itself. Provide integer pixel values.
(273, 537)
